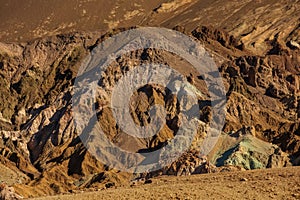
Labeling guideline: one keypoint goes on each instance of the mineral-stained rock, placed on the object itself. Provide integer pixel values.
(252, 153)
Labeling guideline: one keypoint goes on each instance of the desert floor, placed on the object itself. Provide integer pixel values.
(257, 184)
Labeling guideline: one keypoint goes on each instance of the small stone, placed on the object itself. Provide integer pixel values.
(243, 179)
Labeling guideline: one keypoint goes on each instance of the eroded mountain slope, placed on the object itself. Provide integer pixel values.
(259, 62)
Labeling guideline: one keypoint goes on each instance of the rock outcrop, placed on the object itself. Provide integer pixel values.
(8, 193)
(39, 138)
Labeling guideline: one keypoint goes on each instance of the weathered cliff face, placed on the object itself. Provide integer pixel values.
(40, 143)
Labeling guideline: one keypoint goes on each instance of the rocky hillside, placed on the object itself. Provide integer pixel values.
(257, 46)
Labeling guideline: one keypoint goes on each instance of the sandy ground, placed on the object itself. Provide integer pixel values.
(256, 184)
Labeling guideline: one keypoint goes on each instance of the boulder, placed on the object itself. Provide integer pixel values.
(8, 193)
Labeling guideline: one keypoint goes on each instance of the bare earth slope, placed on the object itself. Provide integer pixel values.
(255, 22)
